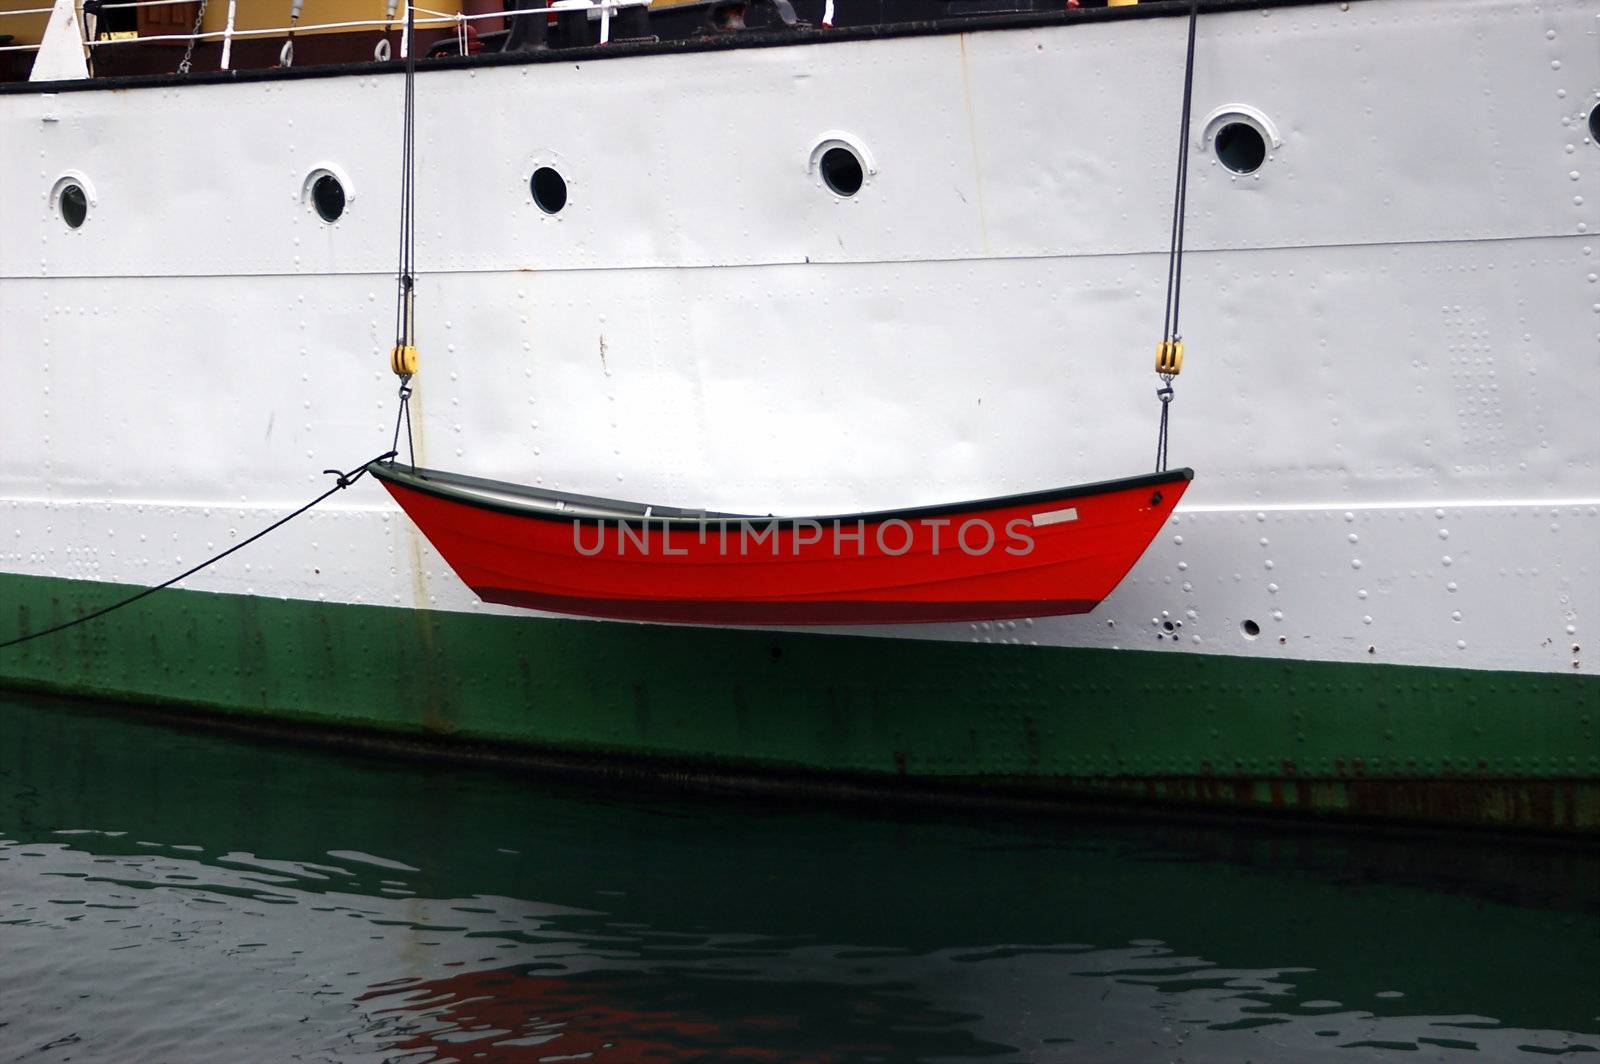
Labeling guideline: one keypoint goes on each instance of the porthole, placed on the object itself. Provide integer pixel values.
(327, 197)
(841, 164)
(1243, 138)
(72, 198)
(1249, 629)
(549, 189)
(1594, 124)
(73, 203)
(327, 192)
(1241, 147)
(841, 170)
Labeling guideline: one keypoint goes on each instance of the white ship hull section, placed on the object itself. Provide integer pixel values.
(1393, 328)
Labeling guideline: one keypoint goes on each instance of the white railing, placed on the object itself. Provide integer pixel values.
(24, 11)
(601, 10)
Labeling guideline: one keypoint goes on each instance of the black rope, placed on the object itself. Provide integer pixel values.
(405, 407)
(344, 480)
(405, 272)
(403, 416)
(405, 279)
(1180, 192)
(1170, 332)
(1164, 393)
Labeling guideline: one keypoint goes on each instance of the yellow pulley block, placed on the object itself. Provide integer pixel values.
(403, 360)
(1169, 358)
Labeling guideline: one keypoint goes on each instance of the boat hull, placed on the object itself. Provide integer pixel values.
(1053, 553)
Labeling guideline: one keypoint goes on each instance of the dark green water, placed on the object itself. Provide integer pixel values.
(173, 896)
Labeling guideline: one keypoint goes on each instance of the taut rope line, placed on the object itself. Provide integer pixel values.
(1169, 353)
(344, 480)
(403, 360)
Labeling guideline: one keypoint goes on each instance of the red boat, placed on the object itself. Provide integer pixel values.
(1041, 554)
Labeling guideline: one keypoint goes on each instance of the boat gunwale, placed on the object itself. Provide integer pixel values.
(997, 21)
(502, 497)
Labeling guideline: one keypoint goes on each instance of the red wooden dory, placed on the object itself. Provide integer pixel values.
(1039, 554)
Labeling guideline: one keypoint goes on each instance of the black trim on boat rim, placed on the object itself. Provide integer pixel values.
(620, 49)
(547, 504)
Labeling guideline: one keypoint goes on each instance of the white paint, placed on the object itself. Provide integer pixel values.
(1395, 323)
(1243, 113)
(1055, 517)
(227, 35)
(61, 55)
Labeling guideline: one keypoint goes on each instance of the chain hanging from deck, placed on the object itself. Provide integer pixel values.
(194, 36)
(1169, 353)
(403, 359)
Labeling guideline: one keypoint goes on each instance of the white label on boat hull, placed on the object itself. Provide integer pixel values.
(1055, 517)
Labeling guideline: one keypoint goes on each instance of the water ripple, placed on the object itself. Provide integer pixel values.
(264, 903)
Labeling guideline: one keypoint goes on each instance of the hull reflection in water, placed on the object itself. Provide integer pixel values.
(181, 897)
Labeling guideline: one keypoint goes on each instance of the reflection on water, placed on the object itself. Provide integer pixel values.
(187, 897)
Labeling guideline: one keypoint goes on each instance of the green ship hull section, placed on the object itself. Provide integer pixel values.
(1372, 740)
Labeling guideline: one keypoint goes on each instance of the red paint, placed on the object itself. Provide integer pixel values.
(907, 566)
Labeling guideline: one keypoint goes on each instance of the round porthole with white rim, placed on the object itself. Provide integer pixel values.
(327, 193)
(1241, 138)
(71, 197)
(841, 164)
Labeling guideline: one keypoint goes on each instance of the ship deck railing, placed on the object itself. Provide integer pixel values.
(598, 10)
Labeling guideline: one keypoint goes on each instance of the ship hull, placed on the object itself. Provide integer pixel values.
(853, 716)
(1378, 598)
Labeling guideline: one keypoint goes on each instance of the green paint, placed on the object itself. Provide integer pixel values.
(1386, 740)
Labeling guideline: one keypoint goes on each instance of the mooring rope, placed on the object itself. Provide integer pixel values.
(344, 480)
(1169, 355)
(404, 359)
